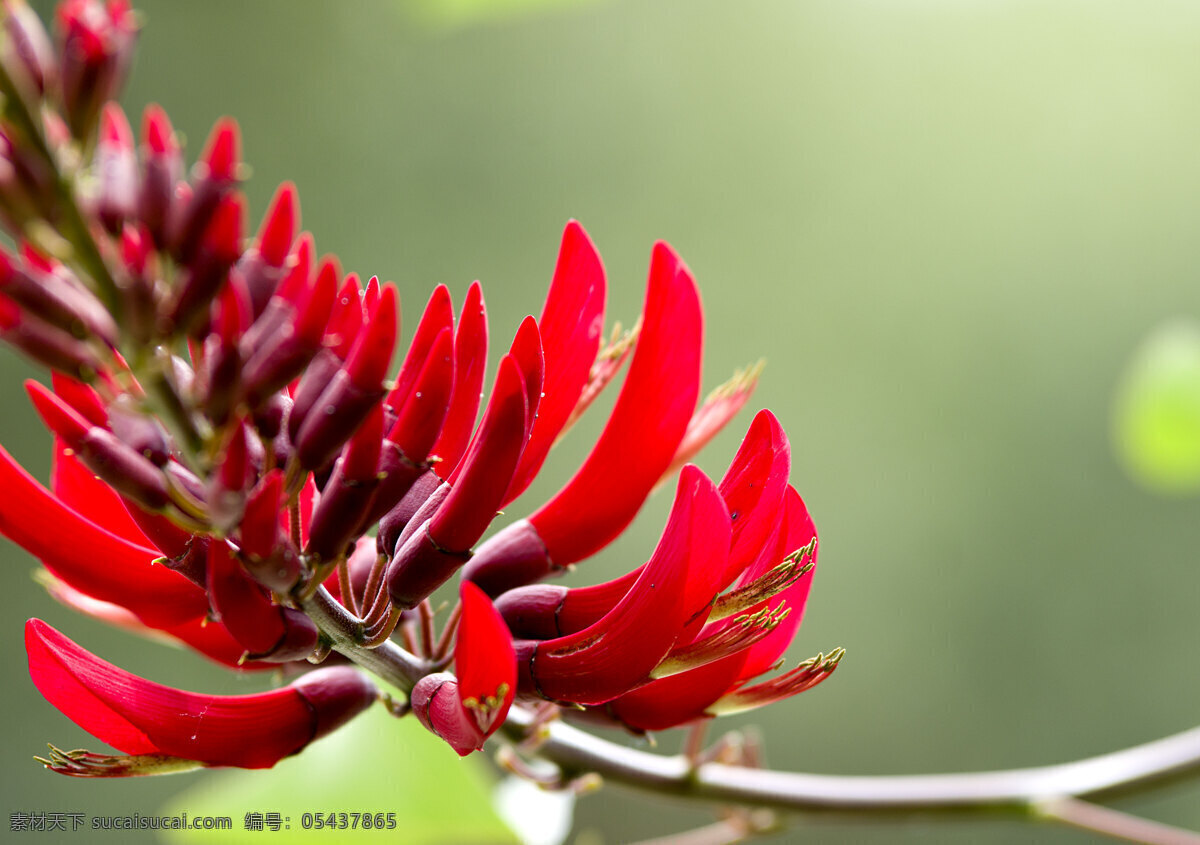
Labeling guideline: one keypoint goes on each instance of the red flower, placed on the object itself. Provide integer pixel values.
(467, 709)
(232, 461)
(140, 717)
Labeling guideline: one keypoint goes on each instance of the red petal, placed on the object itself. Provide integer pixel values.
(470, 361)
(753, 488)
(572, 327)
(139, 716)
(617, 653)
(646, 426)
(799, 532)
(79, 489)
(439, 314)
(279, 225)
(484, 660)
(244, 608)
(487, 469)
(420, 419)
(89, 558)
(371, 355)
(222, 152)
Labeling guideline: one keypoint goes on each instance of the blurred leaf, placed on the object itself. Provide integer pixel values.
(1157, 413)
(377, 764)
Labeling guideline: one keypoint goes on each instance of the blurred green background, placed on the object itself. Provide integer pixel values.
(946, 226)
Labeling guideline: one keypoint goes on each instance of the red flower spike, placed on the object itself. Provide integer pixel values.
(617, 654)
(571, 326)
(627, 461)
(287, 300)
(438, 315)
(314, 316)
(467, 710)
(266, 630)
(69, 546)
(430, 556)
(116, 170)
(470, 362)
(138, 716)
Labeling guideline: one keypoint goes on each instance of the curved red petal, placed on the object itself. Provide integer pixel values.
(616, 654)
(799, 531)
(70, 547)
(79, 489)
(662, 386)
(438, 315)
(488, 467)
(572, 328)
(139, 716)
(484, 659)
(470, 362)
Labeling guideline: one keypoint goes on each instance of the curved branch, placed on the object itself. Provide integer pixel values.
(1016, 790)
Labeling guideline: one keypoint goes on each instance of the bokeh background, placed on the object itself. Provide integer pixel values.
(946, 226)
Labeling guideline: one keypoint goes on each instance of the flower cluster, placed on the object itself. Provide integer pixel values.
(239, 468)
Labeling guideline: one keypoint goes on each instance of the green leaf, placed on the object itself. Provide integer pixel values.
(376, 764)
(1156, 418)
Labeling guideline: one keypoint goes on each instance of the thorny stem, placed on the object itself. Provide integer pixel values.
(1046, 792)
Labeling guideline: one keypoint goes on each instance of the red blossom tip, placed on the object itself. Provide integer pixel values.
(157, 132)
(470, 362)
(114, 127)
(58, 416)
(487, 470)
(371, 355)
(81, 398)
(279, 225)
(223, 150)
(438, 315)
